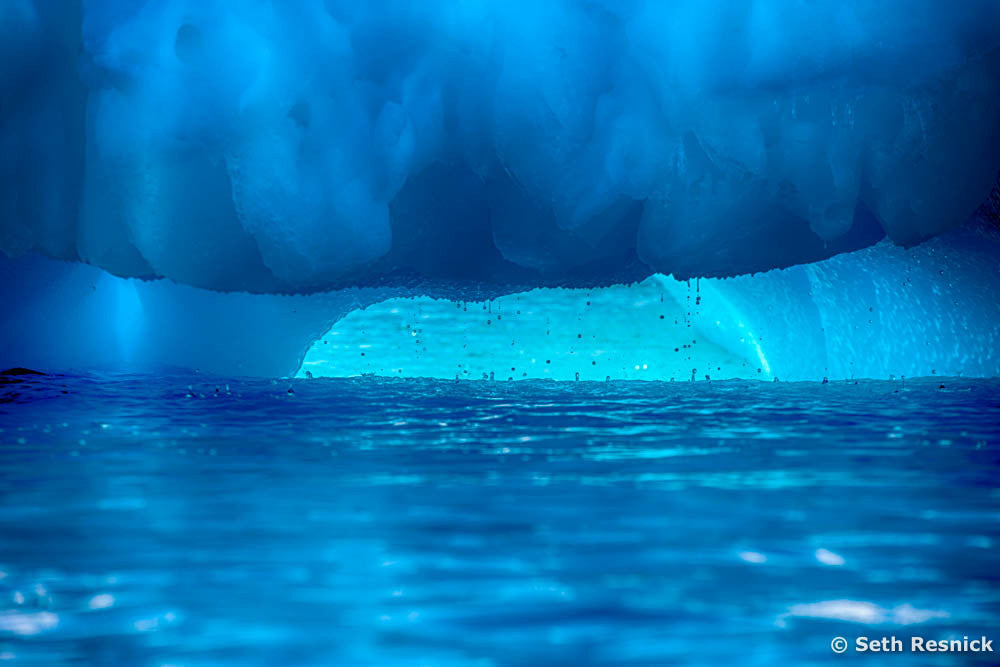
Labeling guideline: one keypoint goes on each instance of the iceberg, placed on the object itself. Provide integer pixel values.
(306, 146)
(882, 312)
(878, 312)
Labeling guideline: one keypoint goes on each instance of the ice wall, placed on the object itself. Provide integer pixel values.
(881, 312)
(872, 313)
(304, 145)
(63, 317)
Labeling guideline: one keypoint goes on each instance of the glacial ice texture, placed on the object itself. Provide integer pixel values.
(300, 146)
(881, 312)
(873, 313)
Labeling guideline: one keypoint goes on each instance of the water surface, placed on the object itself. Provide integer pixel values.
(190, 520)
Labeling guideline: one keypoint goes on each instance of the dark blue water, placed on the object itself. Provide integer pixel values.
(187, 521)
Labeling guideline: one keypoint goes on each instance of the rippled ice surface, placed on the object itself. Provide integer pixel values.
(187, 521)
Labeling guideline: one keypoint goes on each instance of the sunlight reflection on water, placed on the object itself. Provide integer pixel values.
(155, 520)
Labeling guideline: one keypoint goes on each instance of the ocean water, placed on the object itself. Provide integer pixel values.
(192, 520)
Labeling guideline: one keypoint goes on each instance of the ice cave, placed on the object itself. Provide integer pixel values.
(262, 221)
(205, 157)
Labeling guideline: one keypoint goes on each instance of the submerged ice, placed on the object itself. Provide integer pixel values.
(302, 146)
